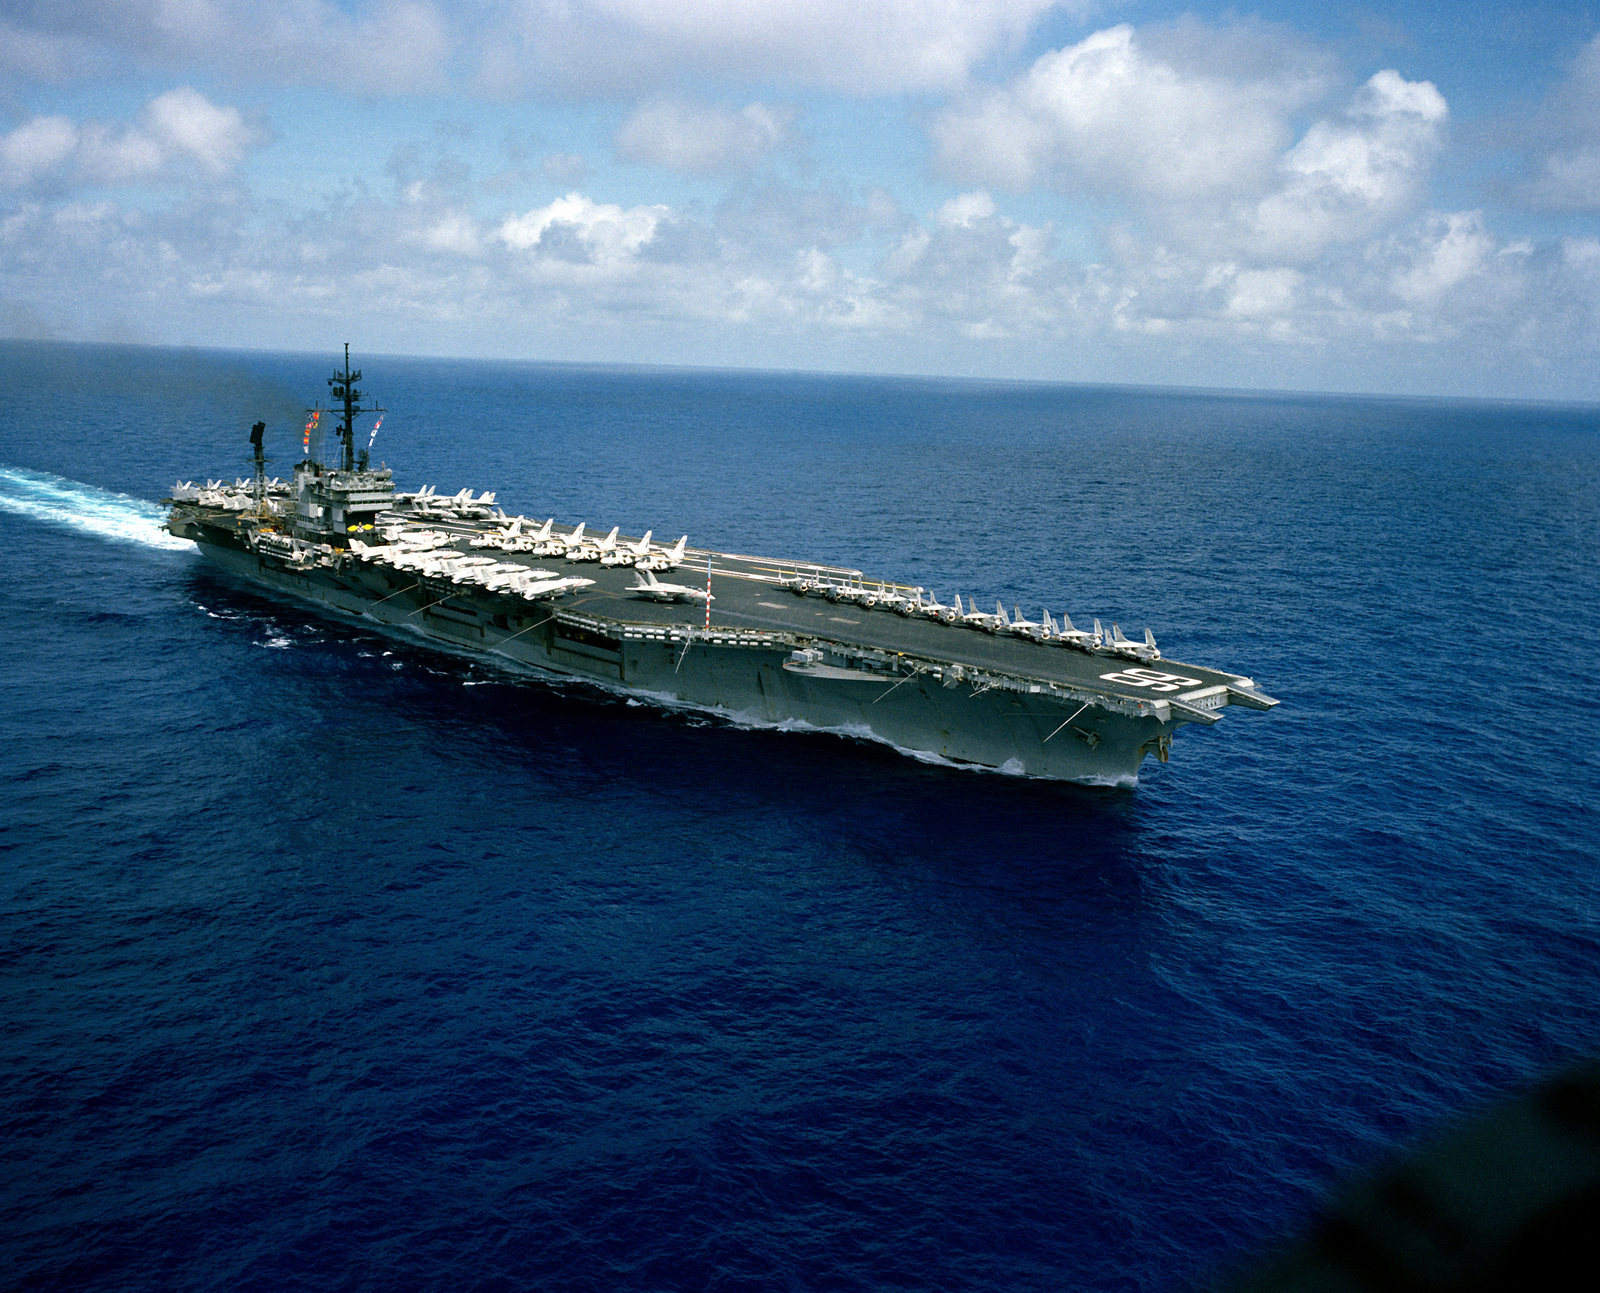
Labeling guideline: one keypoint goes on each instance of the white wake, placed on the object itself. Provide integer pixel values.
(55, 500)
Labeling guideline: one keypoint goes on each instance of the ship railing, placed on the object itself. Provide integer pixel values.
(895, 666)
(647, 631)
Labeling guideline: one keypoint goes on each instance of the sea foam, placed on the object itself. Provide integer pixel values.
(76, 506)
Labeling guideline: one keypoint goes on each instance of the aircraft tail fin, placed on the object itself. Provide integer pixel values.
(1000, 613)
(1149, 638)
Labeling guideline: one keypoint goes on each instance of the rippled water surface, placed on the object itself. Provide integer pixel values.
(334, 963)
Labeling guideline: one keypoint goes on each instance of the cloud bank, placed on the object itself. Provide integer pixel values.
(704, 140)
(392, 46)
(181, 128)
(847, 46)
(1566, 168)
(1206, 203)
(515, 47)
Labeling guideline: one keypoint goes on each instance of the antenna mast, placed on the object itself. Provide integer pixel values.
(345, 393)
(259, 460)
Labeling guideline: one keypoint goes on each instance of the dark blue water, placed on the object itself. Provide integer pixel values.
(331, 963)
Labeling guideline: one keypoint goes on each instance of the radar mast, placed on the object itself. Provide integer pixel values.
(259, 461)
(345, 393)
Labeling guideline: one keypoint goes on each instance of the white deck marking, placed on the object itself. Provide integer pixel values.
(1151, 678)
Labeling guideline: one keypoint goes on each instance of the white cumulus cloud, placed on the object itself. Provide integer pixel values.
(965, 209)
(1111, 116)
(186, 123)
(1263, 292)
(1346, 177)
(603, 233)
(454, 231)
(1456, 248)
(177, 128)
(851, 46)
(36, 148)
(701, 139)
(1188, 134)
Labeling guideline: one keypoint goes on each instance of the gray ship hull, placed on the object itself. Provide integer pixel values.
(937, 692)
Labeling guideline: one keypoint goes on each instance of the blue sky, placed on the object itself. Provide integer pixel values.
(1378, 197)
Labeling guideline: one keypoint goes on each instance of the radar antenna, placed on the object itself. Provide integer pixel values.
(345, 393)
(259, 460)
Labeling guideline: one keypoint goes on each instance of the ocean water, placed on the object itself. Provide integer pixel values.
(334, 963)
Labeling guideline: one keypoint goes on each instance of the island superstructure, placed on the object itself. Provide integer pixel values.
(759, 639)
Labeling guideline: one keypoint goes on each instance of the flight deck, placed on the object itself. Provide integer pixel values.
(748, 594)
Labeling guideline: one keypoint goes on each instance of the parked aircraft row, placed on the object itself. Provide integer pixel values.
(576, 546)
(427, 561)
(403, 537)
(913, 603)
(410, 549)
(458, 506)
(186, 491)
(237, 497)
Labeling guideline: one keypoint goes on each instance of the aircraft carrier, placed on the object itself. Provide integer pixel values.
(761, 640)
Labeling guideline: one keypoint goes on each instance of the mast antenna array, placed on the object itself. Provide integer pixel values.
(259, 460)
(346, 394)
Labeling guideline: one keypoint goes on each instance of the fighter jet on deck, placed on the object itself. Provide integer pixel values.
(593, 549)
(663, 558)
(627, 554)
(647, 585)
(1131, 650)
(972, 617)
